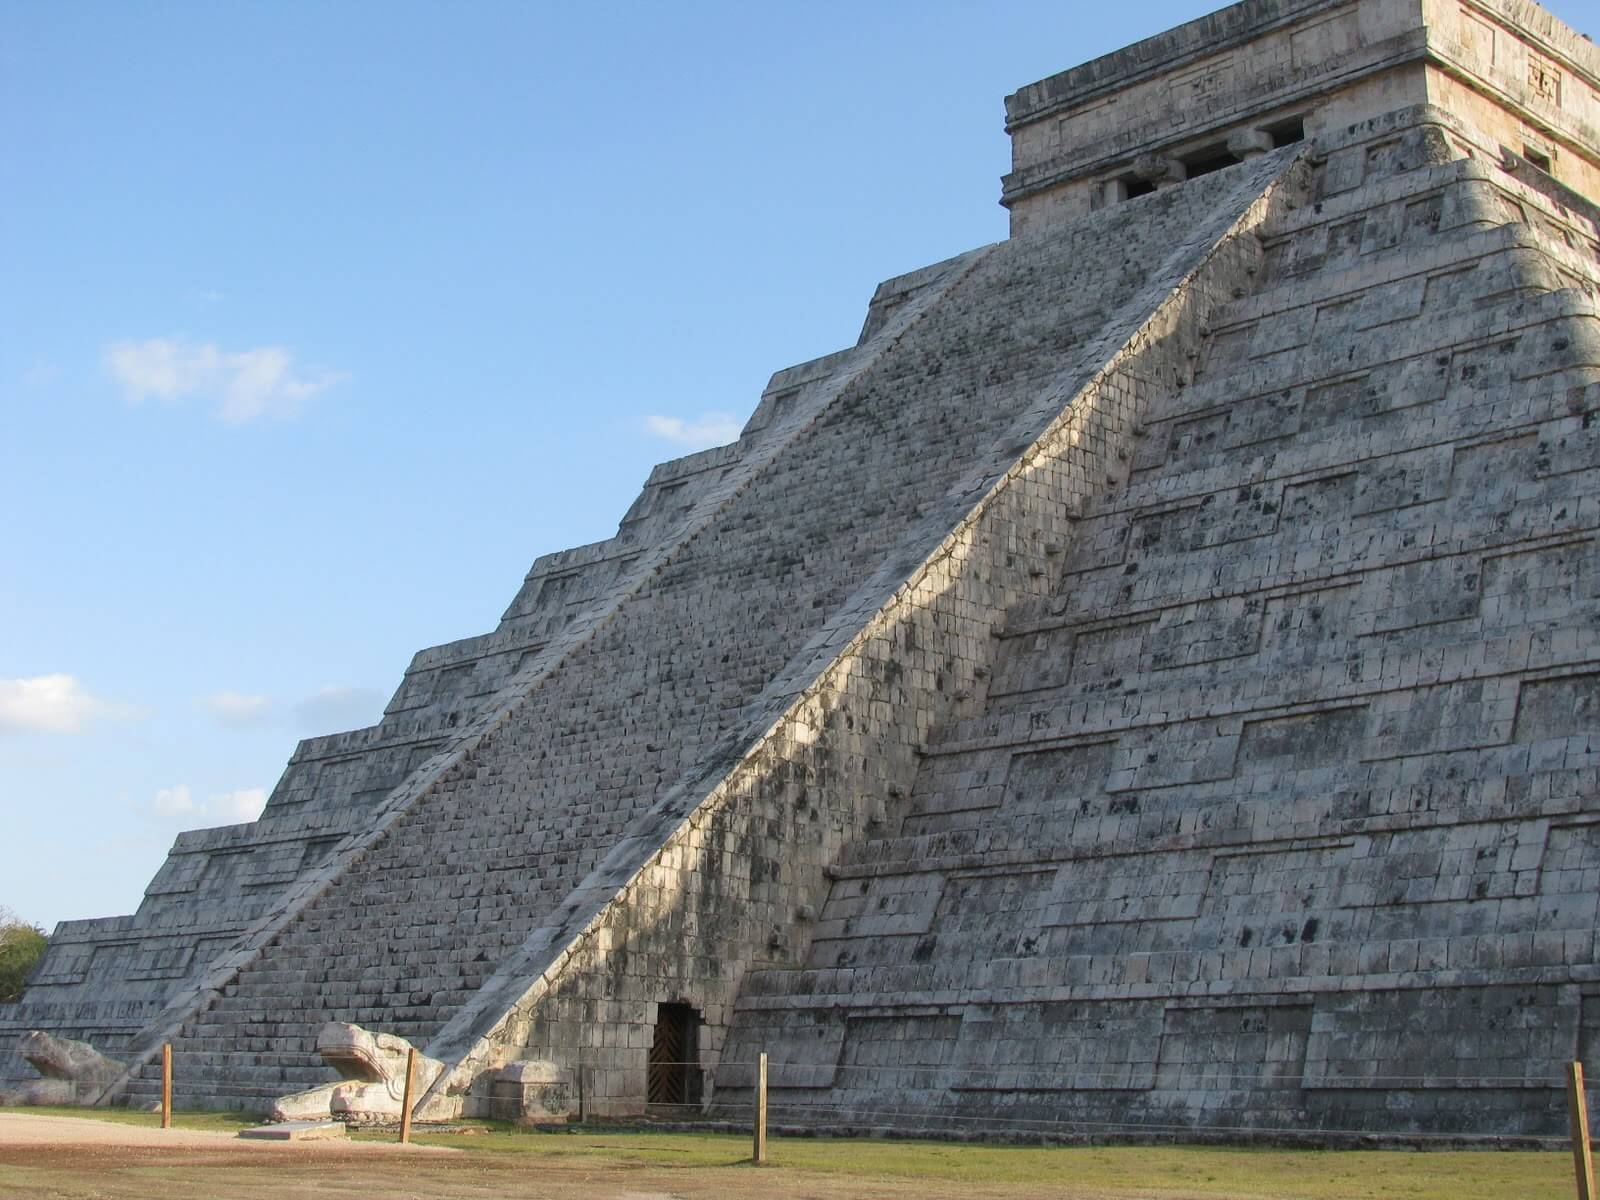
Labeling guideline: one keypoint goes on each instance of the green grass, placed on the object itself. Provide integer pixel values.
(225, 1122)
(1132, 1171)
(1136, 1170)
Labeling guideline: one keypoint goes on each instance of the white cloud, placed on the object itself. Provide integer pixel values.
(174, 802)
(238, 709)
(335, 709)
(244, 385)
(239, 806)
(710, 429)
(178, 803)
(56, 703)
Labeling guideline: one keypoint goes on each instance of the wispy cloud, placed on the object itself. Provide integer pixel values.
(335, 709)
(243, 385)
(329, 709)
(56, 703)
(238, 709)
(709, 429)
(235, 807)
(174, 802)
(178, 803)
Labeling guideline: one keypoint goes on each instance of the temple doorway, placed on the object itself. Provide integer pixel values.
(675, 1057)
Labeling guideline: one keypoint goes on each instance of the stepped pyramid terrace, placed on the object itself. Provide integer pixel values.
(1149, 682)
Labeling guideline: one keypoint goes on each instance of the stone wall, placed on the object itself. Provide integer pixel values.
(1275, 812)
(1258, 72)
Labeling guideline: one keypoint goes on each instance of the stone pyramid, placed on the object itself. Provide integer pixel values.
(1150, 682)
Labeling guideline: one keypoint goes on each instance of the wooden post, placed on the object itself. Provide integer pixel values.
(405, 1105)
(166, 1085)
(760, 1156)
(1578, 1111)
(582, 1112)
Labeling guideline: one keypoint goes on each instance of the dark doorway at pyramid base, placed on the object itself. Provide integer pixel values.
(674, 1086)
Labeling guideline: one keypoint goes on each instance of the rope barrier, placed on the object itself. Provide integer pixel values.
(1023, 1079)
(1047, 1124)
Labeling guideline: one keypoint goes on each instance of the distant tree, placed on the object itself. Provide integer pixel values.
(21, 945)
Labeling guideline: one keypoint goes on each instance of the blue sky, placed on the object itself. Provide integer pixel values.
(321, 321)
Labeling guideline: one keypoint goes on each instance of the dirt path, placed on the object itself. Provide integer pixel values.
(21, 1129)
(66, 1158)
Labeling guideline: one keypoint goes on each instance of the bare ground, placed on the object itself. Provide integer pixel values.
(62, 1157)
(76, 1158)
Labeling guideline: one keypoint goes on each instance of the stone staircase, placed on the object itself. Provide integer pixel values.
(417, 922)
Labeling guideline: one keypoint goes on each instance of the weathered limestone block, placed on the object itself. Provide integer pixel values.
(374, 1069)
(74, 1072)
(1245, 144)
(1159, 169)
(532, 1092)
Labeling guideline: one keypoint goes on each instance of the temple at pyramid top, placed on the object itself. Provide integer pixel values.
(1255, 75)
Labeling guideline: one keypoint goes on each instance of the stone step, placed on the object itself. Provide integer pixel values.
(1296, 554)
(1393, 287)
(1393, 373)
(1540, 420)
(1236, 658)
(1458, 185)
(1423, 400)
